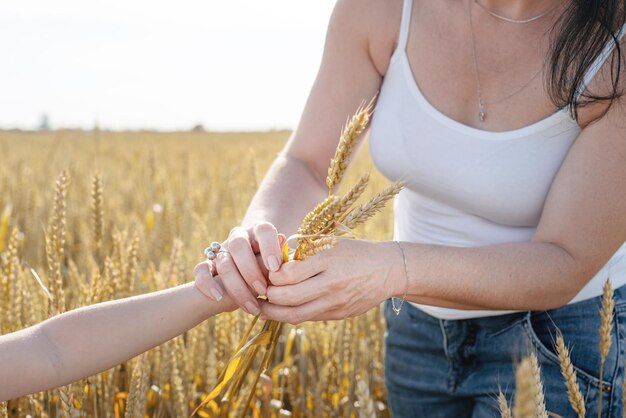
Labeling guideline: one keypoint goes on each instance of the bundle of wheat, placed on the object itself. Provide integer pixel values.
(334, 217)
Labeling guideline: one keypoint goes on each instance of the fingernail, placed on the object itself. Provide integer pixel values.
(263, 317)
(216, 294)
(272, 262)
(251, 308)
(260, 289)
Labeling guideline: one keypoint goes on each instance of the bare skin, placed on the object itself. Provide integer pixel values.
(582, 224)
(85, 341)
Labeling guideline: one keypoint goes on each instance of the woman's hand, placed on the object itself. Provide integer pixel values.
(249, 254)
(344, 281)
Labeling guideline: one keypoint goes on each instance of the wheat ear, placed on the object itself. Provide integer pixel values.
(567, 370)
(363, 212)
(526, 391)
(67, 400)
(178, 390)
(97, 214)
(138, 387)
(349, 135)
(365, 406)
(11, 296)
(324, 218)
(539, 397)
(348, 200)
(55, 240)
(309, 216)
(606, 325)
(317, 246)
(503, 406)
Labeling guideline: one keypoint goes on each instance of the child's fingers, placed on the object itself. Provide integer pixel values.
(206, 283)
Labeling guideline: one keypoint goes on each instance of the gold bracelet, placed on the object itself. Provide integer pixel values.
(397, 309)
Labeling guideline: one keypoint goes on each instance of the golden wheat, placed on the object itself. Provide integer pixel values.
(503, 406)
(160, 189)
(606, 325)
(349, 135)
(528, 390)
(574, 395)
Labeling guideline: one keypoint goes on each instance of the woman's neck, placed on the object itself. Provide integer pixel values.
(519, 9)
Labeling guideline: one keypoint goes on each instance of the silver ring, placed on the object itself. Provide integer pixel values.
(212, 250)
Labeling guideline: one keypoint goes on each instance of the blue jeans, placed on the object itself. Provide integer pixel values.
(455, 368)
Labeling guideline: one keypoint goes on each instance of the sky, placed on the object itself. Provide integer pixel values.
(139, 64)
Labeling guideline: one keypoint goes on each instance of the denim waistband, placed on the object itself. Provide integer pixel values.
(500, 321)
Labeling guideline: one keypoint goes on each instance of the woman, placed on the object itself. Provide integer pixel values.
(505, 119)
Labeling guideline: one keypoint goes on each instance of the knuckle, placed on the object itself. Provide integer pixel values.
(288, 297)
(235, 231)
(292, 272)
(276, 296)
(336, 285)
(275, 278)
(240, 296)
(286, 272)
(237, 243)
(263, 228)
(226, 268)
(272, 294)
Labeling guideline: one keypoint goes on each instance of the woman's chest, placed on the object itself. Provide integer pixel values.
(503, 177)
(460, 57)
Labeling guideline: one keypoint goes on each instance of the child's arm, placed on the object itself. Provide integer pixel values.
(85, 341)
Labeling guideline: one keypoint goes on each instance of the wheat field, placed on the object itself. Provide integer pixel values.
(131, 213)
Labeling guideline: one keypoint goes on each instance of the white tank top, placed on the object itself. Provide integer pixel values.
(468, 187)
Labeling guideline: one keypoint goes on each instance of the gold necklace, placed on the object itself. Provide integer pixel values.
(508, 19)
(482, 103)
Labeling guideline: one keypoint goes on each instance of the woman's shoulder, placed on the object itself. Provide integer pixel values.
(377, 22)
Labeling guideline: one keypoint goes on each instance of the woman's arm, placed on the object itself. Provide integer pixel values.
(350, 73)
(582, 225)
(87, 340)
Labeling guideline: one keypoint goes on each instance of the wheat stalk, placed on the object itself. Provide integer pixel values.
(317, 246)
(178, 390)
(309, 216)
(503, 406)
(540, 399)
(136, 403)
(606, 325)
(365, 405)
(97, 214)
(131, 265)
(11, 291)
(66, 397)
(55, 240)
(321, 220)
(529, 390)
(567, 370)
(316, 233)
(349, 135)
(363, 212)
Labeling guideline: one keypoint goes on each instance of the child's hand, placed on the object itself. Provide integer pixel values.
(207, 281)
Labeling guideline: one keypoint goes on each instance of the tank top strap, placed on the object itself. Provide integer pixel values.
(405, 24)
(599, 61)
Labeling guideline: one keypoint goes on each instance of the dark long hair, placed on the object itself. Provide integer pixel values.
(579, 37)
